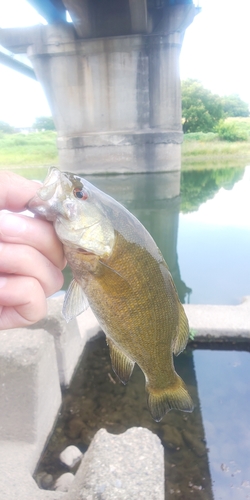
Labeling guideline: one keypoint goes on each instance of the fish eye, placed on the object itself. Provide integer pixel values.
(80, 193)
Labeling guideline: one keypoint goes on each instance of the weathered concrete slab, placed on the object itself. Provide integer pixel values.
(129, 466)
(30, 394)
(70, 338)
(220, 323)
(30, 398)
(16, 480)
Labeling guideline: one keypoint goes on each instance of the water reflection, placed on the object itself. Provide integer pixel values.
(224, 395)
(206, 452)
(96, 399)
(214, 246)
(198, 186)
(214, 260)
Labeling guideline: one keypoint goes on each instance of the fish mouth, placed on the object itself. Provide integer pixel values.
(85, 252)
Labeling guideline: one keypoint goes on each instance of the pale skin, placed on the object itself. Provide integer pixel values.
(31, 256)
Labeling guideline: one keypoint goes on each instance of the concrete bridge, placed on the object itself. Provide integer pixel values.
(111, 78)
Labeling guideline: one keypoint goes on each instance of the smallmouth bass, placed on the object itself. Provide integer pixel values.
(120, 272)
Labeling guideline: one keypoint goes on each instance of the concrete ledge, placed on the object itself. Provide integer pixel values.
(120, 138)
(119, 159)
(30, 398)
(220, 323)
(129, 466)
(31, 363)
(29, 387)
(16, 481)
(70, 338)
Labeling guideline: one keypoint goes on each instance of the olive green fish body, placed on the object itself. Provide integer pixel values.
(134, 300)
(119, 269)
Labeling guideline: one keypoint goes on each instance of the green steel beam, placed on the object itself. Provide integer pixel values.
(17, 65)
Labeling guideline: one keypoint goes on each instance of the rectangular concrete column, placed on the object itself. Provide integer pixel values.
(30, 393)
(164, 83)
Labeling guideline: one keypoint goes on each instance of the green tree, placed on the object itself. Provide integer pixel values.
(44, 123)
(6, 128)
(231, 132)
(233, 105)
(201, 109)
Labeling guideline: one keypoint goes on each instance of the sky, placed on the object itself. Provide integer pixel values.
(215, 51)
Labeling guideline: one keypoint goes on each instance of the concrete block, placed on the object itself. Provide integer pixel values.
(220, 323)
(70, 338)
(88, 325)
(129, 466)
(30, 394)
(30, 398)
(119, 159)
(16, 481)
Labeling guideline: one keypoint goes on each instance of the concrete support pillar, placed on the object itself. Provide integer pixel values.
(164, 83)
(139, 16)
(81, 16)
(115, 100)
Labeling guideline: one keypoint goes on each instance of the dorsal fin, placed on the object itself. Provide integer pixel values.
(121, 364)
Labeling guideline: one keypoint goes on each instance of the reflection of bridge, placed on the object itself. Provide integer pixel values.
(111, 79)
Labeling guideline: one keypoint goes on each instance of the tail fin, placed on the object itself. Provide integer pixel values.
(175, 397)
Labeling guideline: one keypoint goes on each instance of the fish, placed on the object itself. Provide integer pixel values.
(119, 272)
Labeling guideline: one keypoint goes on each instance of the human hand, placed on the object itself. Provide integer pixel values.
(31, 256)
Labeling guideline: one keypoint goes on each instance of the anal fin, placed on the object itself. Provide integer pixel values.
(75, 301)
(121, 364)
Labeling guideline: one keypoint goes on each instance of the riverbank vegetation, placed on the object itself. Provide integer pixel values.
(28, 154)
(216, 129)
(210, 150)
(35, 151)
(203, 111)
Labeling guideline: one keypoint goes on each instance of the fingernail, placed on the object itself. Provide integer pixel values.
(3, 281)
(11, 225)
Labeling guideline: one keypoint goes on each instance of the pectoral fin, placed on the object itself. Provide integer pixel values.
(75, 301)
(182, 336)
(121, 364)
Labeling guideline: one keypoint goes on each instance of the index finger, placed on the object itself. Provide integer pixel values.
(15, 191)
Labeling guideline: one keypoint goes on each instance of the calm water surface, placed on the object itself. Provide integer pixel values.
(204, 234)
(205, 238)
(224, 395)
(214, 246)
(206, 452)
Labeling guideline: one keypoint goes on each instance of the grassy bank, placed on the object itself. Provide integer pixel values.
(201, 150)
(34, 152)
(32, 149)
(202, 153)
